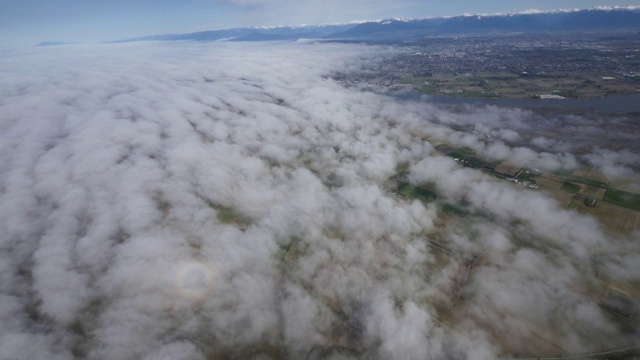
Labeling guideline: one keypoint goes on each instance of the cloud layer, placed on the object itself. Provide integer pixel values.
(193, 201)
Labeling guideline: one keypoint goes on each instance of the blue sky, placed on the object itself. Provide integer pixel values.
(26, 22)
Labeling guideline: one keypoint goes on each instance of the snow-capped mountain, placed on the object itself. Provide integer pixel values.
(596, 19)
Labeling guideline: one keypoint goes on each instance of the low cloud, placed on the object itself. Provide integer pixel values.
(193, 201)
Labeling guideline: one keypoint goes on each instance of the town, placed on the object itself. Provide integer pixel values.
(542, 65)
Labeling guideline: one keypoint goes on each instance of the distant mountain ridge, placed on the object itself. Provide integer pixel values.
(252, 34)
(597, 19)
(584, 20)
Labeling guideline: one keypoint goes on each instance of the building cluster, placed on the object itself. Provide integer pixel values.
(524, 55)
(522, 177)
(551, 97)
(527, 183)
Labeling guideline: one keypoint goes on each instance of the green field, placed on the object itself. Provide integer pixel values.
(410, 192)
(570, 187)
(622, 198)
(474, 162)
(230, 216)
(452, 209)
(588, 181)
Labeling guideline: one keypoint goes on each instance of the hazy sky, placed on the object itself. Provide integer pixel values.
(30, 21)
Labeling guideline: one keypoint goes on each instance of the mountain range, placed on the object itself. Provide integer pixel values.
(595, 20)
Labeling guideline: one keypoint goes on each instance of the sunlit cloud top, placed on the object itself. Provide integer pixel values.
(188, 201)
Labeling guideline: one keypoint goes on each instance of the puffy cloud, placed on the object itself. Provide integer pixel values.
(614, 164)
(195, 201)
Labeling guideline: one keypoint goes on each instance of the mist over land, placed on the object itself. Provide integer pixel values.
(231, 200)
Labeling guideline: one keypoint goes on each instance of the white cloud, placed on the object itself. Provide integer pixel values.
(195, 200)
